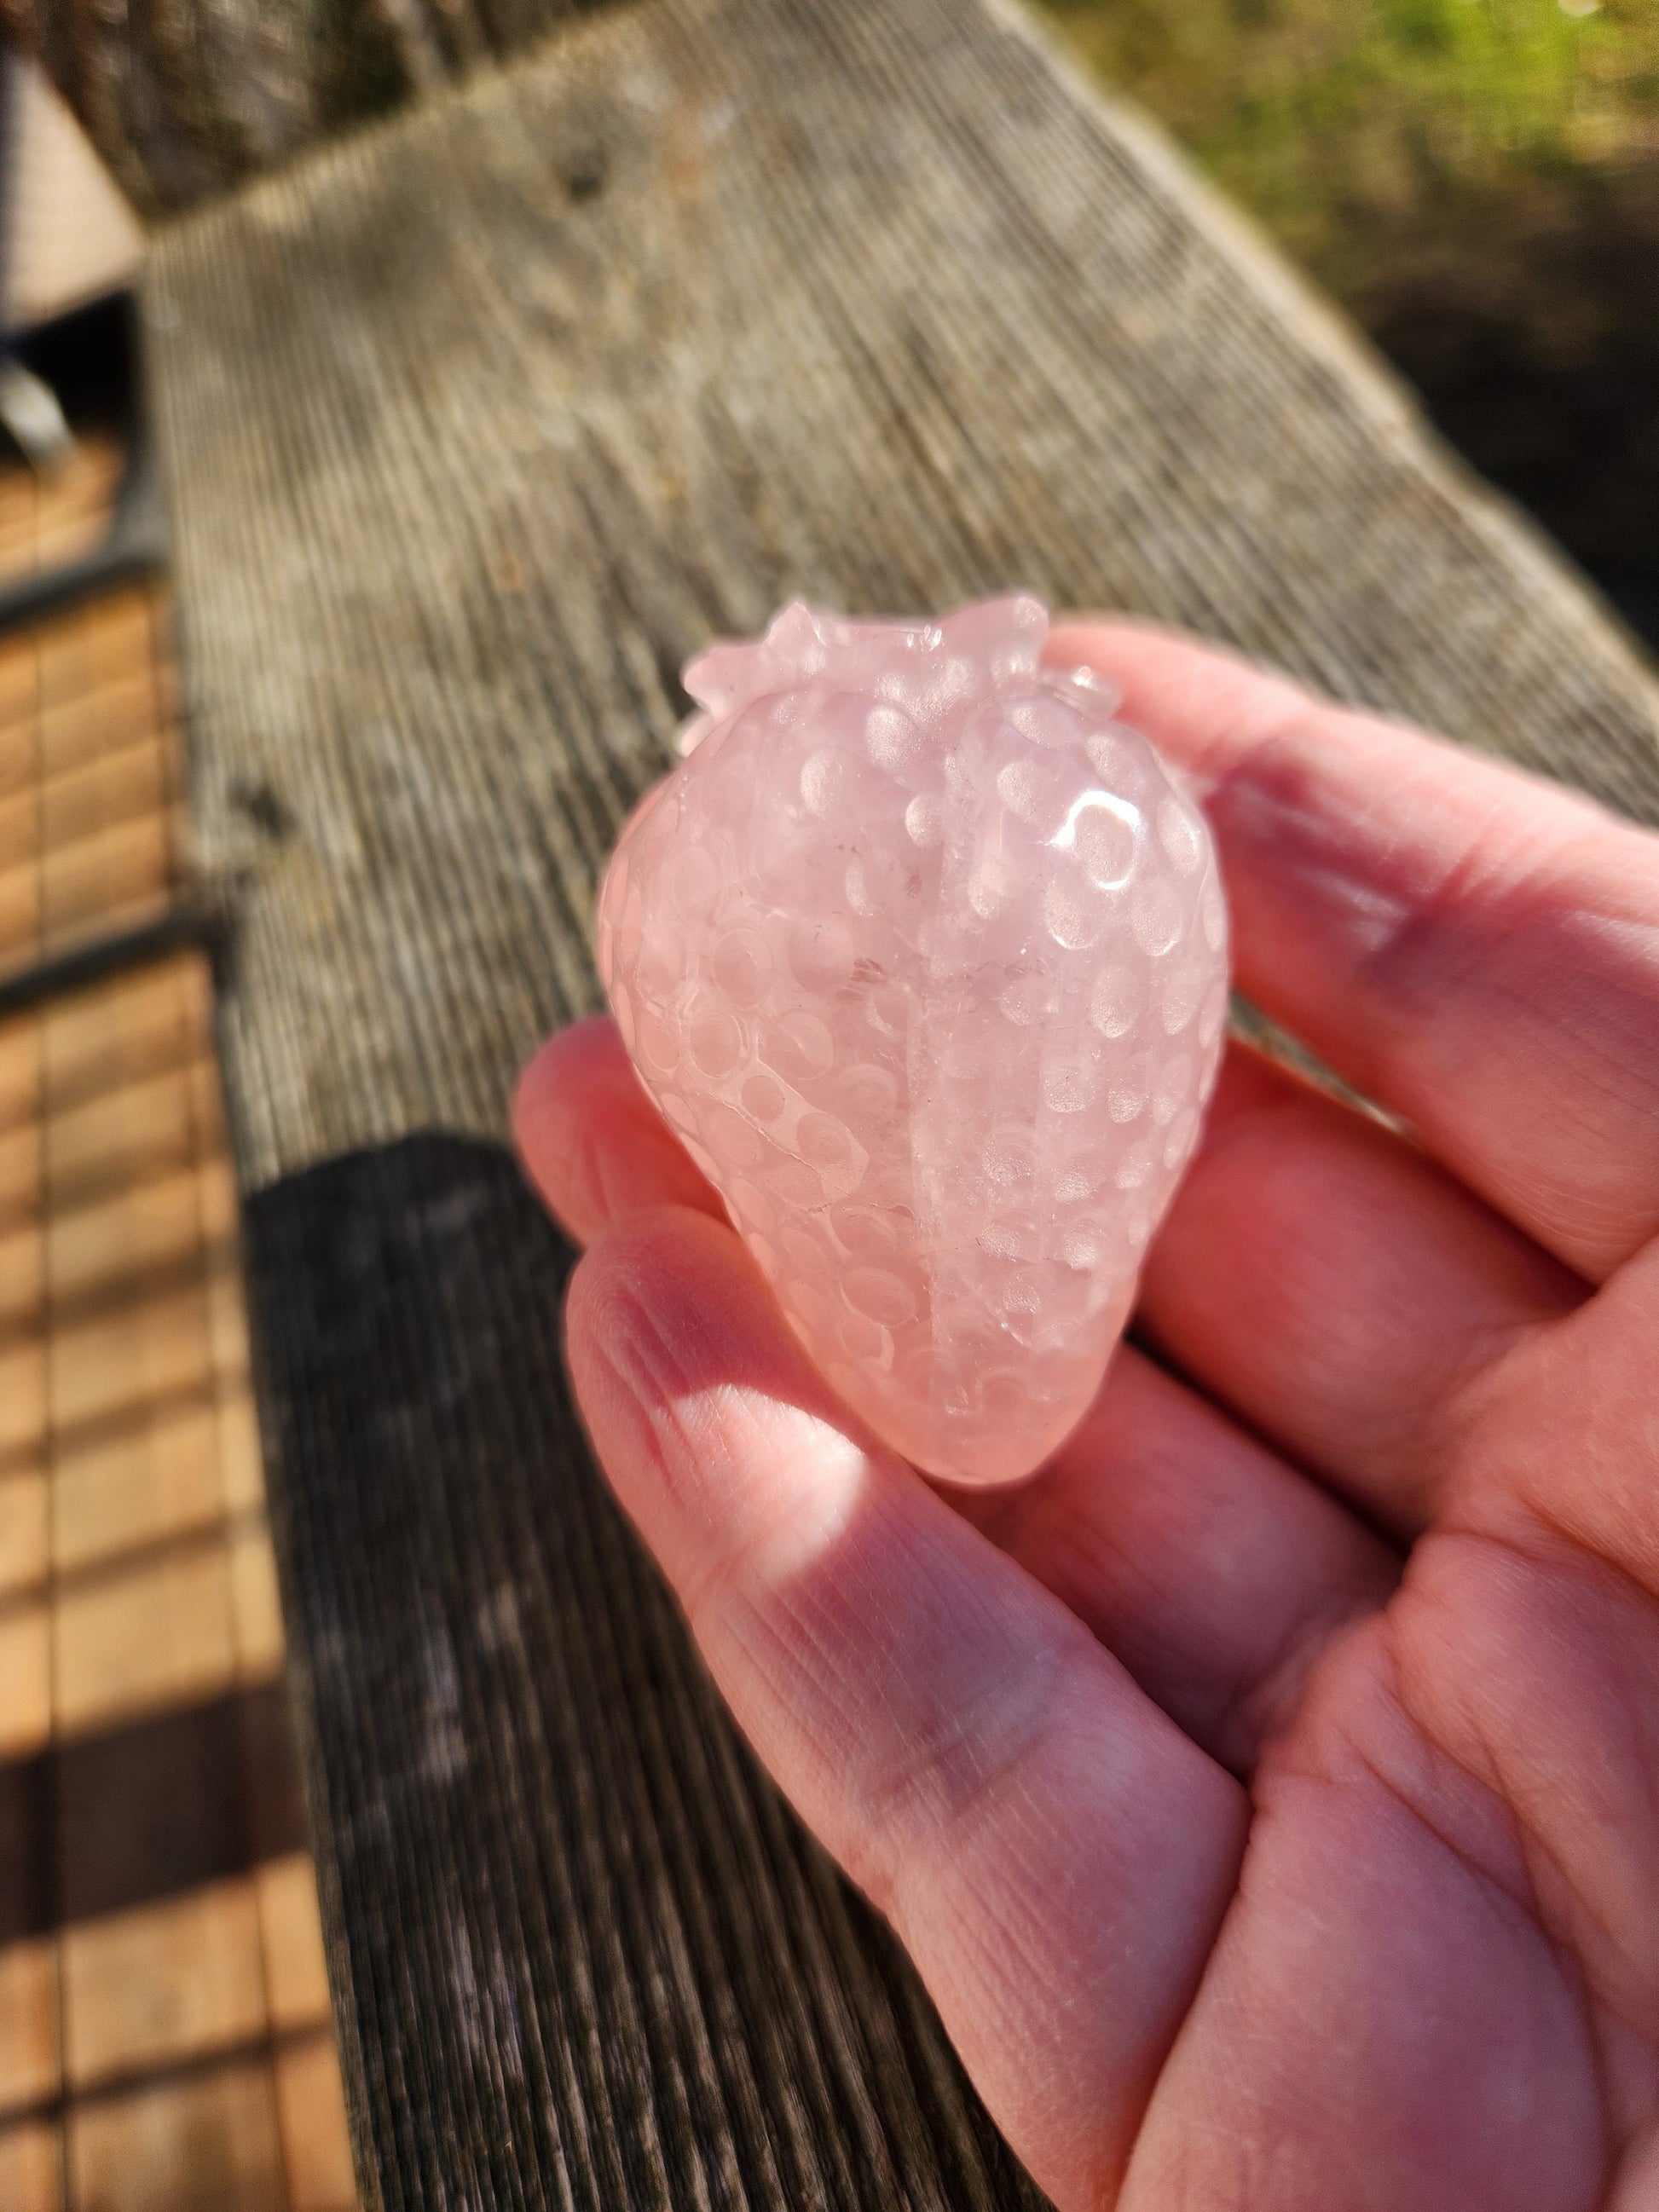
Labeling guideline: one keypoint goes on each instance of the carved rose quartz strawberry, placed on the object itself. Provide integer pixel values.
(922, 953)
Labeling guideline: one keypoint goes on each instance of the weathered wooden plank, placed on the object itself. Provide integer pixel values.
(467, 455)
(475, 426)
(582, 1954)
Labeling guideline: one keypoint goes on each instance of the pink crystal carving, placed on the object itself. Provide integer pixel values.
(922, 953)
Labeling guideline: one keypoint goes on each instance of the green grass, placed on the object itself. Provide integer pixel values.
(1359, 130)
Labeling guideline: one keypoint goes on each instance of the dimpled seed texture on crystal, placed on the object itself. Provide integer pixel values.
(923, 954)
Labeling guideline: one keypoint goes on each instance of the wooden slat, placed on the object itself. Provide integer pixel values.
(207, 2139)
(25, 1678)
(477, 427)
(23, 1531)
(297, 1972)
(163, 1982)
(316, 2157)
(158, 1634)
(161, 1985)
(133, 1492)
(31, 2169)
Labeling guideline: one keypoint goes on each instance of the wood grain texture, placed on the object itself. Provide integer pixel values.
(582, 1955)
(477, 426)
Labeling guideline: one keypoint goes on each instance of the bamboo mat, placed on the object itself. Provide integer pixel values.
(164, 2036)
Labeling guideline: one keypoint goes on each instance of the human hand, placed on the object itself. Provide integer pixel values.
(1268, 1791)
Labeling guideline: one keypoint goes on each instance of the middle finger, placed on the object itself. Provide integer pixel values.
(1217, 1572)
(1336, 1288)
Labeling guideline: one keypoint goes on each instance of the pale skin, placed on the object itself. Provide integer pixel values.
(1268, 1791)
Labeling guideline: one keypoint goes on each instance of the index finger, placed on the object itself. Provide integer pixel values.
(1054, 1854)
(1470, 945)
(591, 1141)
